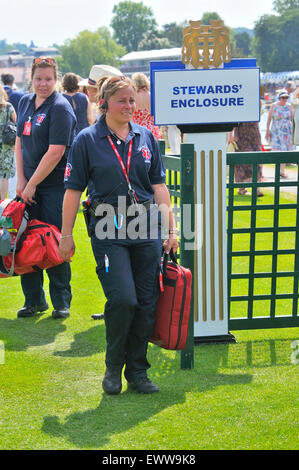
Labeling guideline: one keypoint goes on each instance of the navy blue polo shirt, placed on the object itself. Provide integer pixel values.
(52, 123)
(13, 96)
(92, 162)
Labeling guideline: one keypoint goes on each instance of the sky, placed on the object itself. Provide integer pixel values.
(55, 21)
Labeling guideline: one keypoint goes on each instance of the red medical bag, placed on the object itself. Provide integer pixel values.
(173, 308)
(34, 244)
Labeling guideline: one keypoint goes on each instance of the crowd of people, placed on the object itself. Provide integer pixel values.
(71, 139)
(82, 95)
(281, 133)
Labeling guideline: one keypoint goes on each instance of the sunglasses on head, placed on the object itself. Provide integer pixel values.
(47, 60)
(115, 79)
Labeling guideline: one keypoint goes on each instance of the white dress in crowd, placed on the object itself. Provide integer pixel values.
(174, 139)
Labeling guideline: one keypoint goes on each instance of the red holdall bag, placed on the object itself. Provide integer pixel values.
(37, 249)
(173, 307)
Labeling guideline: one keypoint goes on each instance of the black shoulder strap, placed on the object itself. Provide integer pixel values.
(7, 111)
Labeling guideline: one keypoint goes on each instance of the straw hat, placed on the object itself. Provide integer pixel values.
(283, 93)
(98, 71)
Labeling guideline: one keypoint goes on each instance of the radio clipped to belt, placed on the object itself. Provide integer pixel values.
(86, 214)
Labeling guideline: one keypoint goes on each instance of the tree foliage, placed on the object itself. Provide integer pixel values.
(174, 33)
(153, 41)
(238, 48)
(281, 6)
(275, 42)
(5, 47)
(89, 48)
(209, 15)
(130, 22)
(242, 41)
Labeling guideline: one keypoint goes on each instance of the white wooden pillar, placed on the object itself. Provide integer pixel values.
(210, 296)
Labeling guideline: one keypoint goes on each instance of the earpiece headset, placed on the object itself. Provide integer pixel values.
(104, 105)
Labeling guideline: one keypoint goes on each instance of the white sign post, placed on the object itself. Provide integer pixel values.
(205, 104)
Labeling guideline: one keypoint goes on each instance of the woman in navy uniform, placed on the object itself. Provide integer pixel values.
(123, 162)
(45, 131)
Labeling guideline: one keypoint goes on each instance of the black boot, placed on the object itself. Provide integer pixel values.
(143, 385)
(31, 310)
(61, 313)
(112, 382)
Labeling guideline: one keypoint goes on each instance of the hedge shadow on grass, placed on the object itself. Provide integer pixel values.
(21, 333)
(93, 428)
(86, 343)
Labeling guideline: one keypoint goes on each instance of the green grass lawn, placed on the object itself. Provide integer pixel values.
(238, 396)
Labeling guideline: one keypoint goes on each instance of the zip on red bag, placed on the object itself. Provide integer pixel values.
(161, 277)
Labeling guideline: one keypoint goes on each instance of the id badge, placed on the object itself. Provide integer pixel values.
(133, 197)
(27, 128)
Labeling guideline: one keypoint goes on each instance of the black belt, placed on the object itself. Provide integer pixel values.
(96, 203)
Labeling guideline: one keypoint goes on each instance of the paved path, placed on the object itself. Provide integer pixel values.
(269, 172)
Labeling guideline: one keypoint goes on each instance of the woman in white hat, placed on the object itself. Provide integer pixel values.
(97, 72)
(91, 84)
(281, 119)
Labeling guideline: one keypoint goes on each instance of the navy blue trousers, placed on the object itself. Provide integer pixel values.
(131, 288)
(48, 208)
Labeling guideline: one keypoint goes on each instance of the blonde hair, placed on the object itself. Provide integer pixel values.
(108, 86)
(3, 97)
(140, 81)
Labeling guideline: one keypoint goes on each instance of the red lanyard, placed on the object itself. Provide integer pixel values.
(124, 169)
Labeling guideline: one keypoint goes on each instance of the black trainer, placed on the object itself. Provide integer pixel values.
(98, 316)
(31, 310)
(112, 382)
(144, 385)
(61, 313)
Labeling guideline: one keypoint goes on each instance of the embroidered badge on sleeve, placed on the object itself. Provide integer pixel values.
(67, 172)
(146, 154)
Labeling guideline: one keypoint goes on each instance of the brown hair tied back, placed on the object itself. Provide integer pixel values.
(107, 86)
(70, 82)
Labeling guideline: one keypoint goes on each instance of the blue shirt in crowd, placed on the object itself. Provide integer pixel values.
(13, 96)
(52, 123)
(92, 162)
(79, 103)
